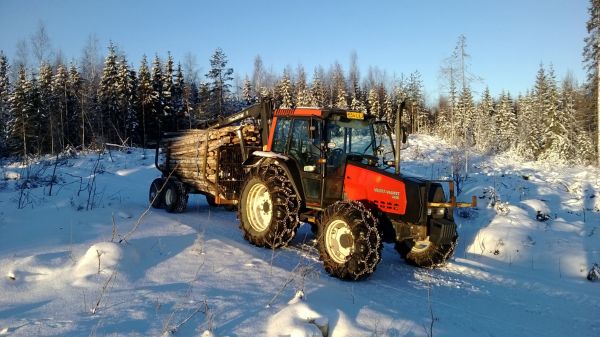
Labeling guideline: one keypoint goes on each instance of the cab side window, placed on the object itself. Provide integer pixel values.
(280, 136)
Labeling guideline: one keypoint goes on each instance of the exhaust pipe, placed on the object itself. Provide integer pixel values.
(399, 135)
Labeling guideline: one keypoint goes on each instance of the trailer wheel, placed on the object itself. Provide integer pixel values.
(424, 253)
(210, 200)
(175, 197)
(155, 195)
(268, 208)
(349, 241)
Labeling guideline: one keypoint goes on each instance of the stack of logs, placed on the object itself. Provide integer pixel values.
(192, 155)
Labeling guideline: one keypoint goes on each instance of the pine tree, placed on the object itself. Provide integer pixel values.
(220, 77)
(145, 100)
(5, 114)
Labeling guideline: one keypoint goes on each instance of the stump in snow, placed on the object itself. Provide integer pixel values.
(594, 274)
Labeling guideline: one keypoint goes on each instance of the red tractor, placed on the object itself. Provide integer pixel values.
(339, 171)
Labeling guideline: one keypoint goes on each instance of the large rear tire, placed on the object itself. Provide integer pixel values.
(349, 241)
(424, 253)
(268, 208)
(155, 195)
(175, 197)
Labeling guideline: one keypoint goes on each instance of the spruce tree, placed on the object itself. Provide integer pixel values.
(591, 55)
(484, 123)
(285, 92)
(374, 106)
(76, 121)
(303, 95)
(247, 95)
(48, 126)
(220, 77)
(108, 97)
(179, 110)
(154, 122)
(5, 114)
(61, 96)
(169, 118)
(22, 128)
(507, 123)
(317, 91)
(144, 94)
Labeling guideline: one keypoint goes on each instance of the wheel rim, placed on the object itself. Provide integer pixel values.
(421, 245)
(169, 196)
(339, 241)
(260, 207)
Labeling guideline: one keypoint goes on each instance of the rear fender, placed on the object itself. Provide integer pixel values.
(260, 158)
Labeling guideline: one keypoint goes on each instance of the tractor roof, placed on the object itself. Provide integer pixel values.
(318, 112)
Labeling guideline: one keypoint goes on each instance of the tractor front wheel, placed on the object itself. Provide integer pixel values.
(349, 241)
(424, 253)
(268, 208)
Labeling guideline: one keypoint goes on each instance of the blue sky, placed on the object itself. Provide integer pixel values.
(507, 39)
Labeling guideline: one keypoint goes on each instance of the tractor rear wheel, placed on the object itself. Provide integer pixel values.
(175, 197)
(268, 208)
(424, 253)
(155, 195)
(349, 241)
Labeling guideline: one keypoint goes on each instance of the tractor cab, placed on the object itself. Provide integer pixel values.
(321, 143)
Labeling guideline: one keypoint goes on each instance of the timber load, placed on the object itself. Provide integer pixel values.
(210, 160)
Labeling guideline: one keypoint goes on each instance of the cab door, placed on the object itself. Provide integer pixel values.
(305, 148)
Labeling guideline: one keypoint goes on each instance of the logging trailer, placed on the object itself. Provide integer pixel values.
(337, 170)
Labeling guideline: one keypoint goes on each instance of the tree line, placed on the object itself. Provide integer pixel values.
(54, 107)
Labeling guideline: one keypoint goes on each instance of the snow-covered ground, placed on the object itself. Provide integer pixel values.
(80, 262)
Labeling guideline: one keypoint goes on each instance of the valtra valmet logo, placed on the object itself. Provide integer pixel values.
(394, 194)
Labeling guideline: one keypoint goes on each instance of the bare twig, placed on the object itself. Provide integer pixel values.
(141, 217)
(94, 310)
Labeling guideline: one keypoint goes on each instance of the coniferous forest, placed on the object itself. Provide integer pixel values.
(48, 106)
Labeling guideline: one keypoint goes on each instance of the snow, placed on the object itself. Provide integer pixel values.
(72, 266)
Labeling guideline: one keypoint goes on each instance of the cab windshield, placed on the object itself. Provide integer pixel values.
(361, 140)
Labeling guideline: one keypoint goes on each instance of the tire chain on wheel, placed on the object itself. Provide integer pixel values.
(435, 255)
(286, 205)
(367, 263)
(181, 197)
